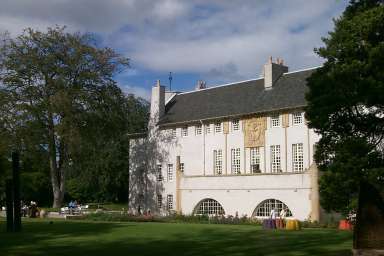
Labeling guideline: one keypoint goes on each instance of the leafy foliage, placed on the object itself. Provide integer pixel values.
(346, 105)
(61, 108)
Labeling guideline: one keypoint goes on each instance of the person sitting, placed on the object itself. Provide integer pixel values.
(272, 215)
(283, 213)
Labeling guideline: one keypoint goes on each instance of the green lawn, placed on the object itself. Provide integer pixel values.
(39, 237)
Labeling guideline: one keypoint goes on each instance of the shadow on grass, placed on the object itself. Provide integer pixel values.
(80, 238)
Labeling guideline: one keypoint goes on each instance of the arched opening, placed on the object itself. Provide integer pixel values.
(263, 210)
(208, 207)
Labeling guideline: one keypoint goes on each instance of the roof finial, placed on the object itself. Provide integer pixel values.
(270, 60)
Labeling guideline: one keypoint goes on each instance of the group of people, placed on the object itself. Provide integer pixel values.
(274, 213)
(30, 210)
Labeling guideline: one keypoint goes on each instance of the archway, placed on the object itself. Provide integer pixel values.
(208, 206)
(264, 209)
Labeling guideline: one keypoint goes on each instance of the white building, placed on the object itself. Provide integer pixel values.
(239, 148)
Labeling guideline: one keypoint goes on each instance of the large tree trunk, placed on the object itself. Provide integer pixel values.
(368, 237)
(57, 172)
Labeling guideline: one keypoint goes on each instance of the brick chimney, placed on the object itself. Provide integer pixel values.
(157, 101)
(200, 85)
(272, 71)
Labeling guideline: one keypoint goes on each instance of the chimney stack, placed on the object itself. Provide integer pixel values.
(157, 101)
(273, 71)
(200, 85)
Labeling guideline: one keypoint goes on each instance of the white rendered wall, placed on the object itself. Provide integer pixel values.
(239, 193)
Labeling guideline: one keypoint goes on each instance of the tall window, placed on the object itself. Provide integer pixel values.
(170, 172)
(198, 129)
(207, 128)
(217, 127)
(275, 121)
(255, 160)
(173, 133)
(235, 153)
(159, 174)
(218, 161)
(170, 202)
(275, 158)
(235, 125)
(297, 118)
(184, 131)
(297, 157)
(159, 201)
(181, 167)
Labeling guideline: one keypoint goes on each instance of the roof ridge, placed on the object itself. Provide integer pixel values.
(248, 80)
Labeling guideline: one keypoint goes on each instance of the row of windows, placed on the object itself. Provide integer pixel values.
(255, 161)
(297, 159)
(297, 118)
(267, 208)
(218, 128)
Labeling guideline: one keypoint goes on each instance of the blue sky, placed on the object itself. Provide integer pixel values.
(217, 41)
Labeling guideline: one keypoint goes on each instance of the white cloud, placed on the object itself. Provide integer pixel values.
(231, 39)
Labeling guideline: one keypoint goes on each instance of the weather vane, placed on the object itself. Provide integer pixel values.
(170, 81)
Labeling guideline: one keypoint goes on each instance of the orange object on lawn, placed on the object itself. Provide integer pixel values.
(345, 225)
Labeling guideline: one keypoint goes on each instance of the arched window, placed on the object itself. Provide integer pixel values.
(264, 208)
(209, 206)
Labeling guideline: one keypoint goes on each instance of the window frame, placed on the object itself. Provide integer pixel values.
(275, 121)
(218, 127)
(198, 129)
(235, 123)
(235, 161)
(297, 118)
(218, 161)
(184, 131)
(170, 172)
(159, 176)
(207, 129)
(275, 158)
(159, 201)
(170, 202)
(297, 157)
(254, 159)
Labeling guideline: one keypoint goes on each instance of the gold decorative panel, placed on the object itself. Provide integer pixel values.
(254, 132)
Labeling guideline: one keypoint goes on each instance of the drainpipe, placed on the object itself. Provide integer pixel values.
(203, 131)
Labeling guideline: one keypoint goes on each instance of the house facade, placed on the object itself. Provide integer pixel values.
(237, 149)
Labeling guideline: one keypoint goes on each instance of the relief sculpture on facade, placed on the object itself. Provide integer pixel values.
(254, 132)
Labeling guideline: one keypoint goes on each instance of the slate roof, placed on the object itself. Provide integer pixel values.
(238, 99)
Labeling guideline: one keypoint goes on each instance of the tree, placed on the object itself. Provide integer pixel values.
(346, 107)
(53, 80)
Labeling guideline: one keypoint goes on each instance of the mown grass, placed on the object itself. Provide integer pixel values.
(58, 237)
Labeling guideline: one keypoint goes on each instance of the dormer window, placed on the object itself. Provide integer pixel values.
(275, 121)
(218, 127)
(297, 118)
